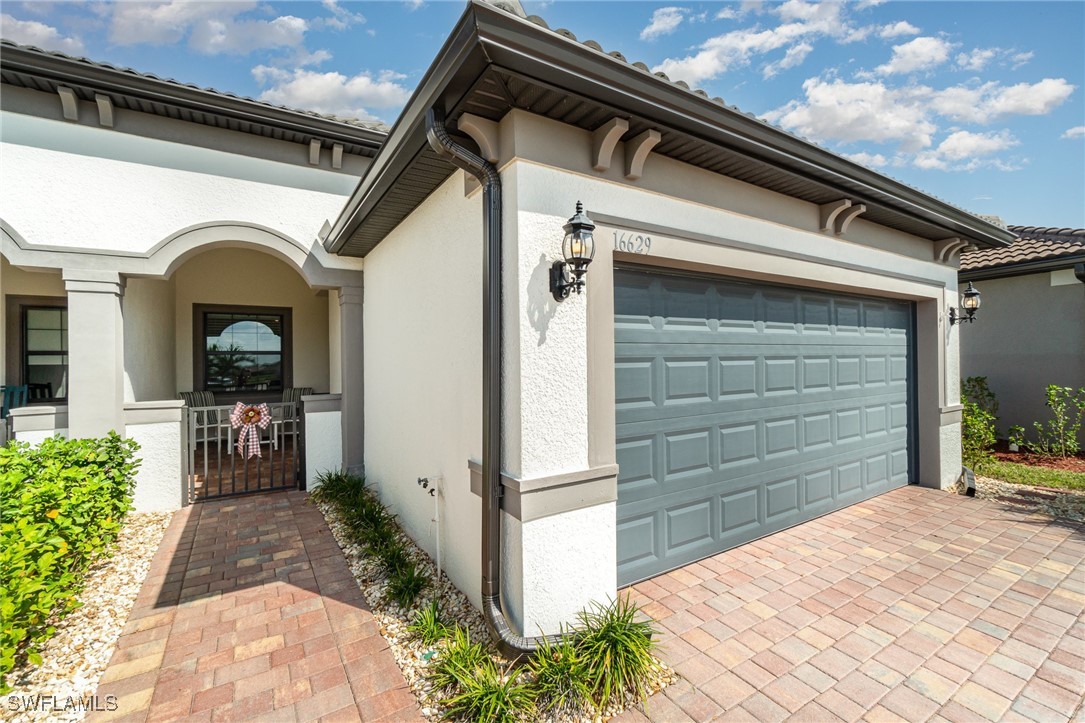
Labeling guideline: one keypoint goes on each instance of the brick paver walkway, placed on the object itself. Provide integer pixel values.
(249, 611)
(913, 606)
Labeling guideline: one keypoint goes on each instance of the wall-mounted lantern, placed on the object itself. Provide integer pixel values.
(970, 301)
(578, 248)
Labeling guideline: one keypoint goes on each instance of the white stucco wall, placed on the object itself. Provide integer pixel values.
(155, 188)
(38, 436)
(423, 373)
(159, 484)
(323, 446)
(253, 278)
(150, 341)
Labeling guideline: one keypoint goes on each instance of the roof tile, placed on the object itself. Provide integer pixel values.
(1034, 243)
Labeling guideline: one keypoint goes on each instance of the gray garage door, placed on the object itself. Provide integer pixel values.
(745, 408)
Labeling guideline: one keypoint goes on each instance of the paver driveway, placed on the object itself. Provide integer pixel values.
(250, 612)
(916, 605)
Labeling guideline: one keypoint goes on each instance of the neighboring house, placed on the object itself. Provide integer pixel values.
(762, 338)
(1030, 329)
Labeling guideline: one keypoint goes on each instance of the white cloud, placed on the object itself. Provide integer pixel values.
(978, 59)
(794, 57)
(32, 32)
(803, 23)
(871, 160)
(1075, 132)
(332, 93)
(919, 54)
(963, 145)
(896, 30)
(989, 101)
(664, 22)
(339, 19)
(413, 5)
(849, 112)
(1019, 59)
(243, 36)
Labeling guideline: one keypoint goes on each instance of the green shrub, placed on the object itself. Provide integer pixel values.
(458, 662)
(487, 695)
(978, 432)
(63, 504)
(1058, 438)
(406, 584)
(560, 679)
(429, 625)
(617, 649)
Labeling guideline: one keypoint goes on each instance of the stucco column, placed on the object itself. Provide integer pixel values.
(353, 378)
(95, 352)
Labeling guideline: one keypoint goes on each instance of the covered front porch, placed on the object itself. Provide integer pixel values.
(165, 359)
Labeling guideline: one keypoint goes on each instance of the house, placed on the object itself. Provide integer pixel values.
(1030, 330)
(762, 336)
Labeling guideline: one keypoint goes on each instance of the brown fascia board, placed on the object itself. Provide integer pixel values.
(1022, 268)
(520, 47)
(78, 72)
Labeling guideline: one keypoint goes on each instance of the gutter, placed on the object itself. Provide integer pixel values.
(509, 644)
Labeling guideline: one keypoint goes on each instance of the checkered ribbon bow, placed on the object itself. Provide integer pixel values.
(249, 418)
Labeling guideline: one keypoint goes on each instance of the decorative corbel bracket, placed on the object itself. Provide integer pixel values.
(827, 213)
(604, 140)
(337, 155)
(69, 104)
(636, 152)
(947, 248)
(483, 132)
(105, 110)
(844, 219)
(314, 152)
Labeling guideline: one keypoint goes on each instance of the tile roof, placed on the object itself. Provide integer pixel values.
(377, 126)
(1034, 243)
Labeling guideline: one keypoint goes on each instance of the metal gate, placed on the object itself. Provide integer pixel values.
(217, 468)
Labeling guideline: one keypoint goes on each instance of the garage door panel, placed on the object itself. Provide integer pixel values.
(745, 409)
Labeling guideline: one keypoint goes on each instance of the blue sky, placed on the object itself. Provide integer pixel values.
(979, 103)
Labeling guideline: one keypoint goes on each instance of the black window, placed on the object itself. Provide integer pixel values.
(45, 351)
(242, 349)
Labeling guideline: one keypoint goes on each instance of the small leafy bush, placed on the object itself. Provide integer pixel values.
(617, 649)
(487, 695)
(429, 625)
(1016, 436)
(63, 505)
(1058, 437)
(560, 678)
(978, 432)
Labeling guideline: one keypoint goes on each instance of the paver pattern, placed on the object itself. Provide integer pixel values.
(916, 606)
(250, 612)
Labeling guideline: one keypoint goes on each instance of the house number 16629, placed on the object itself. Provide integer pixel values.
(633, 243)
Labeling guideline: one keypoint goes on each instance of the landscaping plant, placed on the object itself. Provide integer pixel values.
(429, 625)
(978, 432)
(488, 695)
(560, 678)
(63, 504)
(617, 649)
(1058, 438)
(458, 662)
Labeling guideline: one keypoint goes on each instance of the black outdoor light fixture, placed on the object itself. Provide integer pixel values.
(578, 248)
(970, 301)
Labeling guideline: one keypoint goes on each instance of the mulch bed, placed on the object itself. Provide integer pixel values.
(1068, 464)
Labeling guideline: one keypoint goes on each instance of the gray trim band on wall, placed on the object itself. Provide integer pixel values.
(156, 412)
(319, 403)
(950, 415)
(533, 499)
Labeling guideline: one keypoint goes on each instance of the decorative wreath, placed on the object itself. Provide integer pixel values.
(249, 418)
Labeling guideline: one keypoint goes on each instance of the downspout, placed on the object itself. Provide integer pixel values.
(509, 644)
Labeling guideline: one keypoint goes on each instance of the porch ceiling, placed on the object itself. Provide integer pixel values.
(494, 62)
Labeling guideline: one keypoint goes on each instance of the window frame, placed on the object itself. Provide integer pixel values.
(15, 325)
(199, 348)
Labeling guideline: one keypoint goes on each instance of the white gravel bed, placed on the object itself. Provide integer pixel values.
(74, 659)
(413, 657)
(1068, 504)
